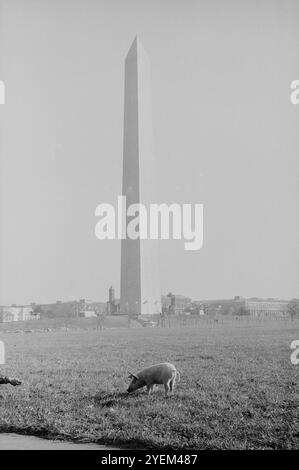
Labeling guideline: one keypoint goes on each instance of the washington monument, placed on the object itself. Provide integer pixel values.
(140, 286)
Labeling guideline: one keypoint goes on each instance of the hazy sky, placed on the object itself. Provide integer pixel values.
(226, 135)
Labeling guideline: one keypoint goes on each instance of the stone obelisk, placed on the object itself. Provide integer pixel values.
(140, 287)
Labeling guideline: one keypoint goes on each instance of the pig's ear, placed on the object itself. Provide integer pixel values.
(132, 376)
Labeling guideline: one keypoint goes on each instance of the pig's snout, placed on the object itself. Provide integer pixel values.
(130, 389)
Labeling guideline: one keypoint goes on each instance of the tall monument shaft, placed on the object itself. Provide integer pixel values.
(140, 287)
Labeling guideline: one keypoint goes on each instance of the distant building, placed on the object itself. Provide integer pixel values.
(113, 304)
(61, 309)
(175, 304)
(165, 303)
(17, 313)
(92, 309)
(88, 314)
(254, 306)
(197, 308)
(97, 307)
(266, 307)
(234, 306)
(69, 309)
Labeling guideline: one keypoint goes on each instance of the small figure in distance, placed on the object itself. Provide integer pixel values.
(101, 319)
(162, 319)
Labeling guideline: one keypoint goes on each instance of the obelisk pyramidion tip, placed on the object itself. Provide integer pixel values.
(136, 47)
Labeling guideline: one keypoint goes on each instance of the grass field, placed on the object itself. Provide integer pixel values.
(238, 388)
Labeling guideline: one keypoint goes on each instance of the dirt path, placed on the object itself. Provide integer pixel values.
(19, 442)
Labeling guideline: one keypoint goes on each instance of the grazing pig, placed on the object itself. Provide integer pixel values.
(164, 373)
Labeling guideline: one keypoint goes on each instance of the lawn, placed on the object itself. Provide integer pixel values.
(238, 388)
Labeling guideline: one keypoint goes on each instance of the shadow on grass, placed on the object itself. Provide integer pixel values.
(105, 399)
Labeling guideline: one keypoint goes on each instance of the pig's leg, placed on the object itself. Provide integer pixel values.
(149, 389)
(172, 384)
(166, 386)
